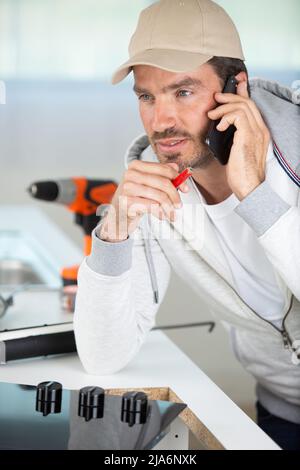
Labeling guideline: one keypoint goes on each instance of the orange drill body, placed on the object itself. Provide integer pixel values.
(81, 196)
(90, 194)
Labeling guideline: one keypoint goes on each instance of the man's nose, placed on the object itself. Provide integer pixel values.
(164, 116)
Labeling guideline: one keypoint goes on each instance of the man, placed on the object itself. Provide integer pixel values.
(240, 249)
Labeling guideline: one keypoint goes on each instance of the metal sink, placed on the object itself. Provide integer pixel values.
(29, 273)
(24, 261)
(16, 272)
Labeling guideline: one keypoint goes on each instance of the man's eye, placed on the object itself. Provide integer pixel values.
(184, 93)
(145, 97)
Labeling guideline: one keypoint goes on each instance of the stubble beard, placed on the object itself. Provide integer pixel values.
(200, 158)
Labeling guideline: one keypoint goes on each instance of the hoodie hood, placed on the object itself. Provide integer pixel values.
(280, 109)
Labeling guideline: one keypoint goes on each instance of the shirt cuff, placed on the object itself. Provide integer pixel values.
(262, 208)
(110, 259)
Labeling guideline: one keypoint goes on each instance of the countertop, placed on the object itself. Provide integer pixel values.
(160, 363)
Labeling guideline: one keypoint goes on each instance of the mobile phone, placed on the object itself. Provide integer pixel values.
(220, 142)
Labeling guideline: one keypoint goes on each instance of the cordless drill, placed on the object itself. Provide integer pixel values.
(81, 196)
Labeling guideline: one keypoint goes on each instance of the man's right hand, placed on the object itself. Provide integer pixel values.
(146, 187)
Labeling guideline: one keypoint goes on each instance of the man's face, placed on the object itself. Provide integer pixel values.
(173, 109)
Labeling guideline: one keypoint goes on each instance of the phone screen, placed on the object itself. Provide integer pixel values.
(220, 142)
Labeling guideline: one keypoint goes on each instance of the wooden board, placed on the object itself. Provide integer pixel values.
(198, 429)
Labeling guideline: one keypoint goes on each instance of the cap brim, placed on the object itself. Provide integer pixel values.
(166, 59)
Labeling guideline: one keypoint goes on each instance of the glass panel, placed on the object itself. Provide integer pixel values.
(22, 427)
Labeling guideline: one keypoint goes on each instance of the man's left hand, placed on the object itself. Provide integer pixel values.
(246, 165)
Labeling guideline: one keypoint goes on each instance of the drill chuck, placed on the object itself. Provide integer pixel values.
(60, 191)
(45, 190)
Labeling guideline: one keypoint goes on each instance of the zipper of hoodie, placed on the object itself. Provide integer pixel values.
(287, 341)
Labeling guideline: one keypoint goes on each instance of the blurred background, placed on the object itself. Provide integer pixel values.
(62, 118)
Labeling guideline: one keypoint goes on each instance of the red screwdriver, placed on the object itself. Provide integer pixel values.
(184, 175)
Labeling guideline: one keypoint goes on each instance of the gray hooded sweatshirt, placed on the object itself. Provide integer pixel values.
(121, 285)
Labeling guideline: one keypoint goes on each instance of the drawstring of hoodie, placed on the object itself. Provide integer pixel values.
(134, 152)
(149, 258)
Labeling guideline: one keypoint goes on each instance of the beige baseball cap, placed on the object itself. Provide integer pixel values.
(181, 35)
